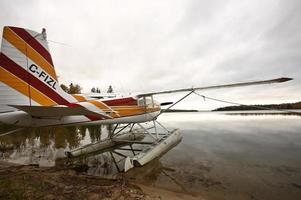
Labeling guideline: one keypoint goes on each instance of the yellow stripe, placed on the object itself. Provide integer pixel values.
(98, 104)
(79, 98)
(28, 51)
(124, 111)
(102, 106)
(22, 87)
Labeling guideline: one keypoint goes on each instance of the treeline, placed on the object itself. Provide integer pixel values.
(296, 105)
(97, 90)
(77, 89)
(178, 110)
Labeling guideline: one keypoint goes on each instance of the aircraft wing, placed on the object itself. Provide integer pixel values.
(58, 111)
(278, 80)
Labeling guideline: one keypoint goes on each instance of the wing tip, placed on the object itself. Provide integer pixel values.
(284, 79)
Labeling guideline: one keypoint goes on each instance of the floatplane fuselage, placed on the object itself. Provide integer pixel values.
(117, 111)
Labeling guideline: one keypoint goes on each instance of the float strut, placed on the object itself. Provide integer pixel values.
(116, 165)
(131, 146)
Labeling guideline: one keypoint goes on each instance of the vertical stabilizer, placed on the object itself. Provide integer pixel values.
(27, 74)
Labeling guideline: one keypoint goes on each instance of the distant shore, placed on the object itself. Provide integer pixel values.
(284, 106)
(179, 110)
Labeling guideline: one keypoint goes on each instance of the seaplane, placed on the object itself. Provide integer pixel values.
(31, 96)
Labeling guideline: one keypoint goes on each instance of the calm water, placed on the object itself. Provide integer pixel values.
(221, 156)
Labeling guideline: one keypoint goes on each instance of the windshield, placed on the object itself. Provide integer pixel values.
(147, 101)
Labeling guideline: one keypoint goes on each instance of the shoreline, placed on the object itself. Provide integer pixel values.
(32, 182)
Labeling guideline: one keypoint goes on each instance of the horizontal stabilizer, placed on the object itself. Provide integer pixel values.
(58, 111)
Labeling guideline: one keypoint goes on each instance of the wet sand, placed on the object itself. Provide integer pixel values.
(167, 194)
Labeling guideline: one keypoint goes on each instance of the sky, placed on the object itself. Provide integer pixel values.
(146, 46)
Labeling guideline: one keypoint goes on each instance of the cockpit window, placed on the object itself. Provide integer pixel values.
(145, 101)
(148, 102)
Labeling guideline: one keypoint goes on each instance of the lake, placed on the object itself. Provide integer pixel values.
(223, 155)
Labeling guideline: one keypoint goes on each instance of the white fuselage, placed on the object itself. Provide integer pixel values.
(20, 118)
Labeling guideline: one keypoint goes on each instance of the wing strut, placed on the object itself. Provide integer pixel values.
(184, 97)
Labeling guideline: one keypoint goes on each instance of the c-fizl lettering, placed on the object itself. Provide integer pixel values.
(42, 75)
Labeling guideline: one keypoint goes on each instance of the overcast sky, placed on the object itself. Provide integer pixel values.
(156, 45)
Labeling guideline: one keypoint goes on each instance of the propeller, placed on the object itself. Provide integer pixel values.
(166, 103)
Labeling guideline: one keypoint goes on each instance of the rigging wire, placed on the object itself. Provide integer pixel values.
(64, 44)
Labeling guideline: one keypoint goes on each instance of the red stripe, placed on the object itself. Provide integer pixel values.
(33, 43)
(128, 101)
(18, 71)
(93, 118)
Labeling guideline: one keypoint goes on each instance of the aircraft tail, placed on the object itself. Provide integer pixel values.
(27, 73)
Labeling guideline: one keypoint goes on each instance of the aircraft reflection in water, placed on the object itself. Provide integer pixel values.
(47, 147)
(36, 145)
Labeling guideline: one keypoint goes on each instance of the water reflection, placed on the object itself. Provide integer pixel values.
(37, 145)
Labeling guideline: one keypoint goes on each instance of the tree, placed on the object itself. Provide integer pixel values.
(74, 89)
(110, 89)
(64, 87)
(95, 90)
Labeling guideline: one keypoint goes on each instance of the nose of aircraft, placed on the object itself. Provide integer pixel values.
(166, 103)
